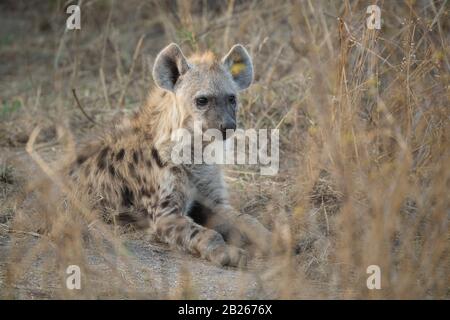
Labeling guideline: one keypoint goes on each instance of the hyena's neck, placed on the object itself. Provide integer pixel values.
(158, 118)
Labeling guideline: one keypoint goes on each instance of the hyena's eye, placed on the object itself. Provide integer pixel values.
(232, 100)
(201, 101)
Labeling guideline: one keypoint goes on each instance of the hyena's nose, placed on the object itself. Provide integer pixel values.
(227, 125)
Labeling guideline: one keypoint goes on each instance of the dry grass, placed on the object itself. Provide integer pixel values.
(364, 143)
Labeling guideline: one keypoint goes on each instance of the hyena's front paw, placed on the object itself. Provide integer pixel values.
(226, 255)
(255, 232)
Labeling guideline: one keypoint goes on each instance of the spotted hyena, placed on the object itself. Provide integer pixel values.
(129, 169)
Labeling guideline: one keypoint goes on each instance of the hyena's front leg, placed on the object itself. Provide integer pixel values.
(248, 226)
(237, 228)
(175, 228)
(212, 209)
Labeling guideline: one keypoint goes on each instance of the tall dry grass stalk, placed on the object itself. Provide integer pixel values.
(364, 122)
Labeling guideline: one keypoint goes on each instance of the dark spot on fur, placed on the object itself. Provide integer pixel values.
(148, 136)
(136, 218)
(127, 197)
(120, 155)
(101, 160)
(81, 158)
(194, 233)
(146, 192)
(112, 170)
(175, 170)
(135, 157)
(157, 158)
(148, 163)
(164, 204)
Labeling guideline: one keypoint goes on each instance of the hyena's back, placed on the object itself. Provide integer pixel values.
(121, 174)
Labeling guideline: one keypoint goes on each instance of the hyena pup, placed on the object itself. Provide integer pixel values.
(129, 169)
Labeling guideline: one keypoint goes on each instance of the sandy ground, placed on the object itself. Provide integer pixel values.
(165, 267)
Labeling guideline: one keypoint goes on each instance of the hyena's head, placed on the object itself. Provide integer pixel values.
(205, 87)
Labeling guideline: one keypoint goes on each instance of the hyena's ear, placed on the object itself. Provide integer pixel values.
(240, 65)
(170, 64)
